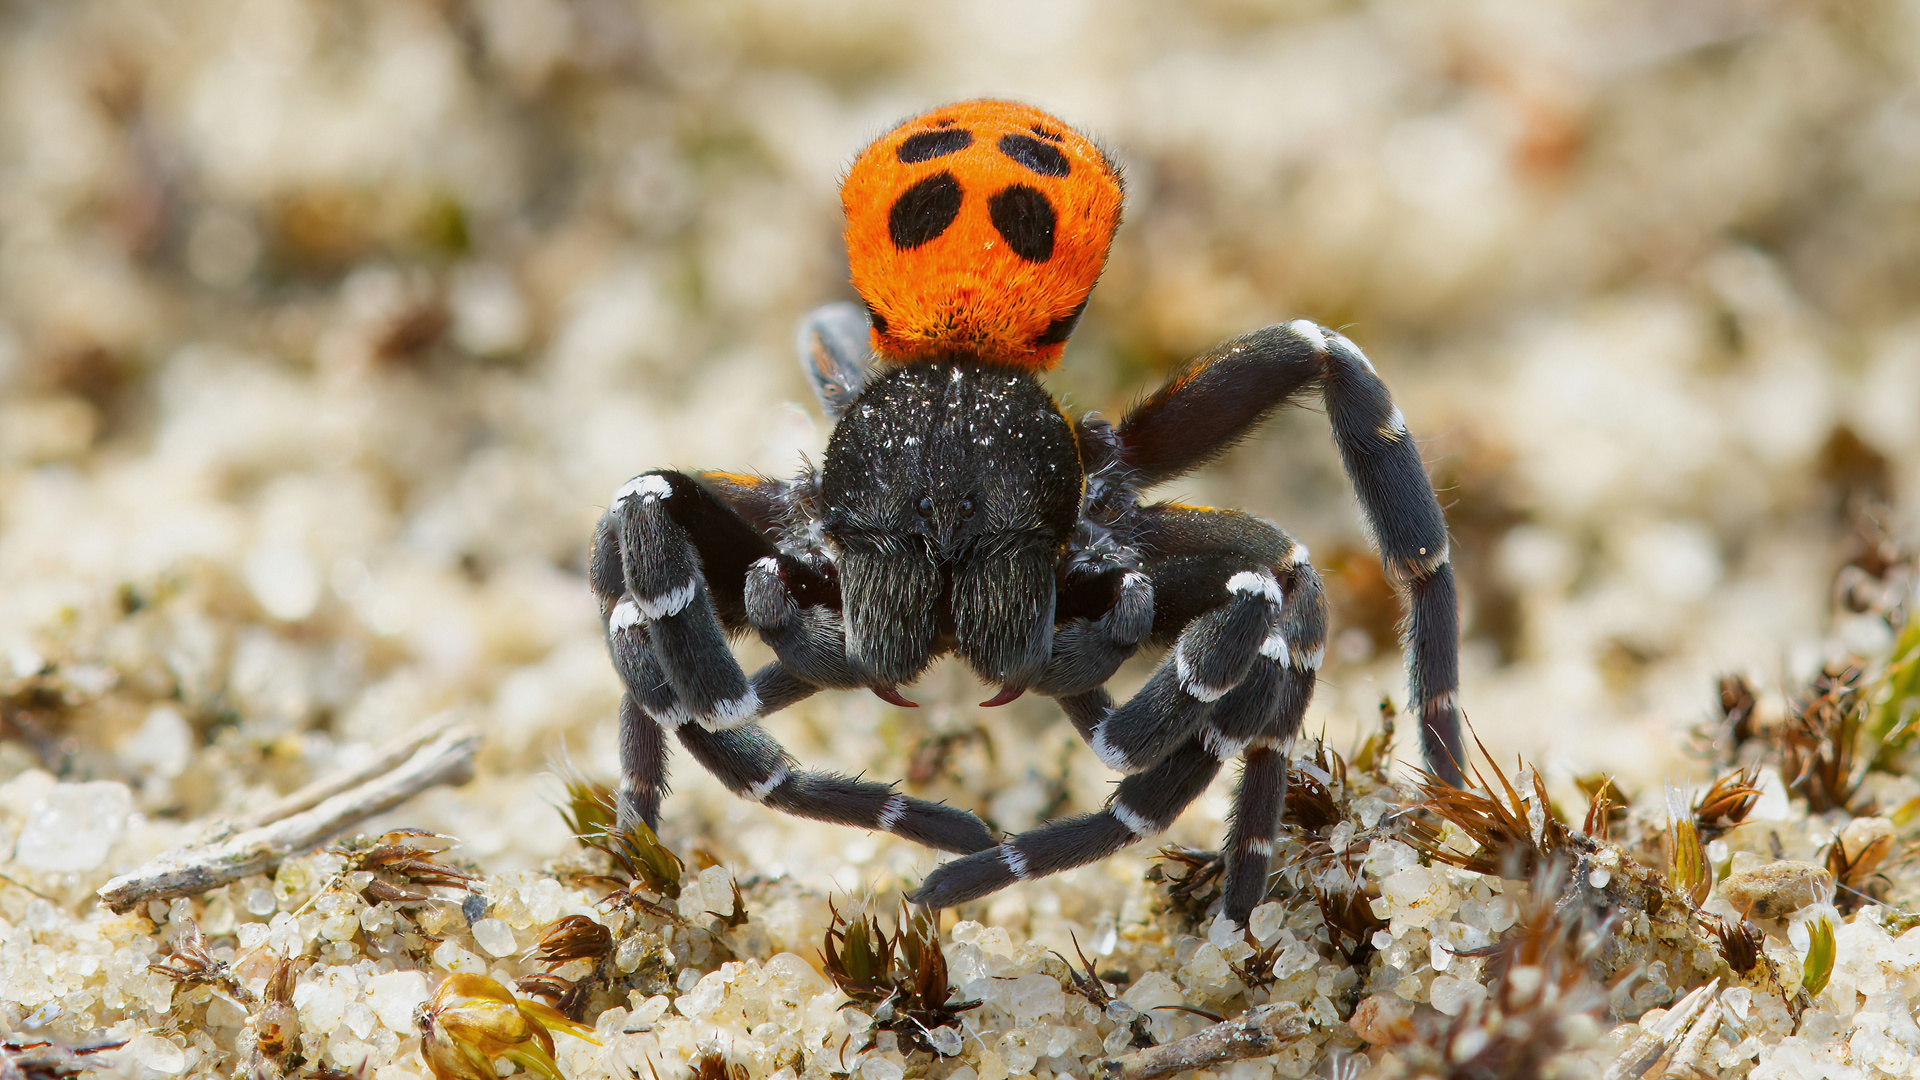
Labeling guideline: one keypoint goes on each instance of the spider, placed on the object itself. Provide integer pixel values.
(960, 510)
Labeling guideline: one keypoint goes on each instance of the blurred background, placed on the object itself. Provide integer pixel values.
(327, 328)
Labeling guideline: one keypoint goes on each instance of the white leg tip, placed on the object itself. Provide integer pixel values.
(1275, 648)
(1015, 861)
(892, 812)
(1310, 330)
(625, 614)
(668, 603)
(733, 712)
(1256, 582)
(650, 486)
(1109, 756)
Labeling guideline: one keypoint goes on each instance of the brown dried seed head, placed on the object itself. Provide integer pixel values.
(713, 1065)
(276, 1027)
(1740, 943)
(575, 937)
(1727, 803)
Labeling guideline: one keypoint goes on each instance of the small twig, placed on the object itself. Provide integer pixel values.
(1262, 1031)
(385, 759)
(1645, 1051)
(446, 759)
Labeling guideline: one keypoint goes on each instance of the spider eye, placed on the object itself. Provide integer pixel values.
(966, 509)
(925, 506)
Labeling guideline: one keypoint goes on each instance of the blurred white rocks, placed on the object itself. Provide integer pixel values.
(73, 826)
(163, 744)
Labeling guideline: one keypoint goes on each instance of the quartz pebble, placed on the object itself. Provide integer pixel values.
(73, 826)
(158, 1053)
(494, 936)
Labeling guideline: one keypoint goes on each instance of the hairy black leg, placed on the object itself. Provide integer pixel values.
(666, 587)
(650, 705)
(1086, 652)
(1219, 397)
(833, 344)
(1141, 805)
(1086, 709)
(1268, 706)
(750, 763)
(785, 602)
(754, 766)
(1209, 658)
(1412, 535)
(1433, 671)
(1257, 802)
(1261, 718)
(643, 766)
(1216, 595)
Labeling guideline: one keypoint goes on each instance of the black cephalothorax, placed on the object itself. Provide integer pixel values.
(958, 510)
(950, 491)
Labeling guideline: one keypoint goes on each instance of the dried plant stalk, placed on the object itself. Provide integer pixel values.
(1512, 839)
(385, 759)
(447, 759)
(1262, 1031)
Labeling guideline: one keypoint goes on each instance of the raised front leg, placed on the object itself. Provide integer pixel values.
(1218, 398)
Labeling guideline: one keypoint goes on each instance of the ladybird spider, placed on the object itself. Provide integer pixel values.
(959, 510)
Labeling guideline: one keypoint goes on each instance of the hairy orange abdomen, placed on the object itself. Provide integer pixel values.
(979, 229)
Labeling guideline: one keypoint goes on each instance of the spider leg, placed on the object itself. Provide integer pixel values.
(1218, 580)
(1086, 652)
(648, 570)
(643, 766)
(1219, 397)
(650, 707)
(666, 538)
(1260, 719)
(754, 766)
(809, 637)
(1211, 657)
(1141, 805)
(833, 343)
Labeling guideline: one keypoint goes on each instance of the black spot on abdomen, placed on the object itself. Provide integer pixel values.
(1024, 219)
(928, 145)
(1037, 156)
(923, 211)
(1061, 328)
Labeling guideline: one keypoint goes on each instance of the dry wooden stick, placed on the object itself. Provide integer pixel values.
(445, 759)
(385, 759)
(1650, 1047)
(1262, 1031)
